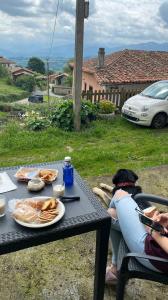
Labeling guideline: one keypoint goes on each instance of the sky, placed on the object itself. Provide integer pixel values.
(28, 24)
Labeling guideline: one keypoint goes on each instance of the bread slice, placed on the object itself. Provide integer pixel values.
(52, 203)
(46, 205)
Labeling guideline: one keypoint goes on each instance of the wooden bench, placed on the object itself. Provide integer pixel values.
(127, 264)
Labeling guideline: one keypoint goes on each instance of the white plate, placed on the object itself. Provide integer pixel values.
(28, 173)
(60, 207)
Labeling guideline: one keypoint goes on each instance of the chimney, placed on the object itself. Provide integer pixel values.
(101, 55)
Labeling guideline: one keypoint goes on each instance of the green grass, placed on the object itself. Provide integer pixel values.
(53, 99)
(3, 114)
(98, 150)
(9, 89)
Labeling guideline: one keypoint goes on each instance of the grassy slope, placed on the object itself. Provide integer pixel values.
(99, 150)
(8, 89)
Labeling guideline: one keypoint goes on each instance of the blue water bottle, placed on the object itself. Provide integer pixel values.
(68, 176)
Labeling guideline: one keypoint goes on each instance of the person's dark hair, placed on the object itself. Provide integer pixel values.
(125, 179)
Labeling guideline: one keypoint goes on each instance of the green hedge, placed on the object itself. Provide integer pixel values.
(13, 97)
(8, 107)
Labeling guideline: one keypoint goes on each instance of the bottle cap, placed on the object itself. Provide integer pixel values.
(67, 158)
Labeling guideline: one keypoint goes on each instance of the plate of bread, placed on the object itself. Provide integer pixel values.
(37, 212)
(48, 175)
(27, 173)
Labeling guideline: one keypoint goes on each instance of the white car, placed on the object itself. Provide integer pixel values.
(149, 108)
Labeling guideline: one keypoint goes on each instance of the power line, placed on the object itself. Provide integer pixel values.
(53, 33)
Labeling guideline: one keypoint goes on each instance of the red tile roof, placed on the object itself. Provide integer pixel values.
(21, 70)
(54, 76)
(4, 60)
(130, 66)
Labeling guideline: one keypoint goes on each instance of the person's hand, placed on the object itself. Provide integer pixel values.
(120, 194)
(162, 219)
(151, 211)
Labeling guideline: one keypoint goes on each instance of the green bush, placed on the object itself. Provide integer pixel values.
(106, 107)
(26, 82)
(62, 116)
(9, 80)
(88, 112)
(5, 107)
(3, 71)
(34, 121)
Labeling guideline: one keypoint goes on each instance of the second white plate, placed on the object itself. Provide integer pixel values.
(60, 207)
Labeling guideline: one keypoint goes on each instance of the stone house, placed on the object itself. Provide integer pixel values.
(128, 69)
(57, 84)
(7, 63)
(58, 79)
(18, 71)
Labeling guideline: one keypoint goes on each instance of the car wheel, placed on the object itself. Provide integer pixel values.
(159, 121)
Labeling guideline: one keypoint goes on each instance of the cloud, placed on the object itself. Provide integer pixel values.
(163, 12)
(16, 8)
(110, 23)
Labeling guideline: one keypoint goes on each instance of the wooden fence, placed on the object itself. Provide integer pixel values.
(118, 97)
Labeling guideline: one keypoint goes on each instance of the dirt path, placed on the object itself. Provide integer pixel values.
(64, 270)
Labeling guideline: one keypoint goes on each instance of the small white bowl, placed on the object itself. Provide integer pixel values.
(35, 185)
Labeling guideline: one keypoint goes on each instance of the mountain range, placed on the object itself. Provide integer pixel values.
(61, 53)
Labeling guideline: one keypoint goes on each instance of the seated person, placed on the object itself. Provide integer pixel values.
(138, 238)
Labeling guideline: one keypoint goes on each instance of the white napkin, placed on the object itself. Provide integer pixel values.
(6, 183)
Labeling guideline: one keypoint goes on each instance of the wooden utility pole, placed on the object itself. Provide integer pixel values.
(78, 61)
(48, 91)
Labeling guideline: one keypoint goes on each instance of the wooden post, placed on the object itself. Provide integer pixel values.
(78, 61)
(48, 91)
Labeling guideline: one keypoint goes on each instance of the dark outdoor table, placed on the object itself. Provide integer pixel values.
(80, 217)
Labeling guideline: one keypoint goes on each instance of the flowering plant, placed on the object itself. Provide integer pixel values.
(35, 121)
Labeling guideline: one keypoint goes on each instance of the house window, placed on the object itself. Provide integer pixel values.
(85, 86)
(90, 88)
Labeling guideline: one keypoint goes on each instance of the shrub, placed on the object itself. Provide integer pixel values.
(13, 97)
(9, 80)
(106, 107)
(88, 112)
(26, 82)
(34, 121)
(63, 117)
(3, 71)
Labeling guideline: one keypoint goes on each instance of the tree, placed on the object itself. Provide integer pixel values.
(37, 65)
(68, 81)
(67, 69)
(26, 82)
(3, 71)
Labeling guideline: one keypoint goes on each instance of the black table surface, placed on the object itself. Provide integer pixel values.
(80, 216)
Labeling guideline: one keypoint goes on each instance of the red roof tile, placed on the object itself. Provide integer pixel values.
(130, 66)
(4, 60)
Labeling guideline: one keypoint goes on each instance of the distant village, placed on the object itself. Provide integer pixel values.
(128, 69)
(56, 80)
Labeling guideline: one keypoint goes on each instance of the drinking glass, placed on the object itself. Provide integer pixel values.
(58, 190)
(2, 205)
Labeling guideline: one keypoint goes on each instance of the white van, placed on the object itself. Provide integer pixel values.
(149, 108)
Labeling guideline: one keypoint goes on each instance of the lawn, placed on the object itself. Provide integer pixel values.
(53, 99)
(9, 89)
(98, 150)
(64, 270)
